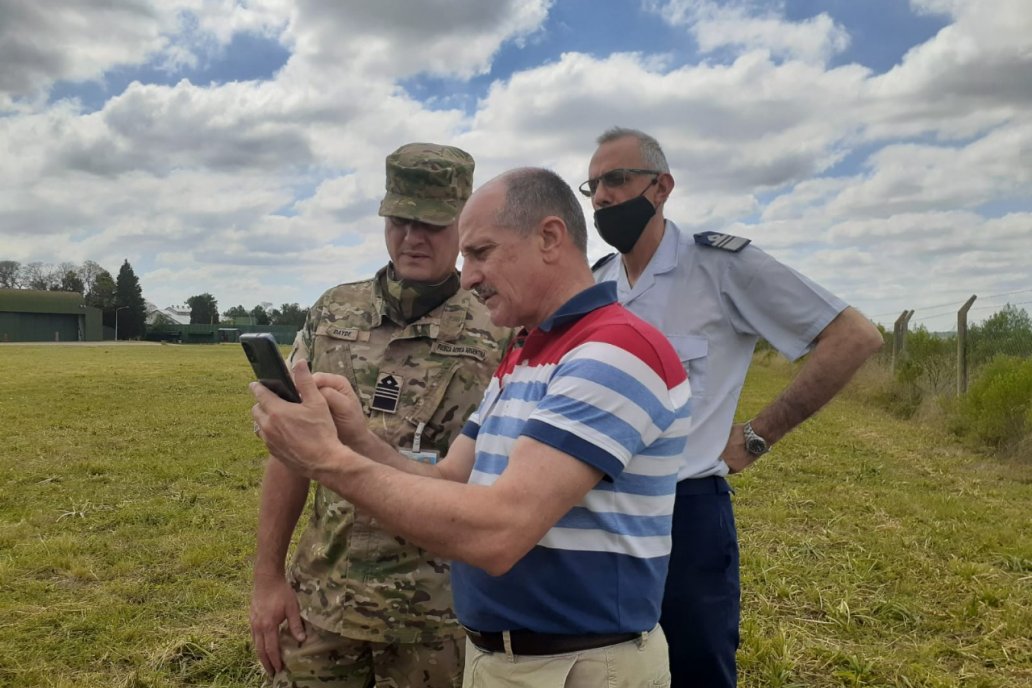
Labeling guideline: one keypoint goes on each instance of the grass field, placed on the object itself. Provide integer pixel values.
(875, 552)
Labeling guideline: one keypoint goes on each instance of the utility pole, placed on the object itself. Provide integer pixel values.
(120, 308)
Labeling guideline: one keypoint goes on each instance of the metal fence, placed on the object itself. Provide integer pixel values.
(213, 334)
(1008, 332)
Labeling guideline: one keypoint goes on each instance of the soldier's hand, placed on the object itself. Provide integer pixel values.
(272, 602)
(345, 406)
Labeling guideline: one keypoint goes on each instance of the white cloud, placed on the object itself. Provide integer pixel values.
(983, 61)
(748, 125)
(906, 261)
(397, 38)
(192, 175)
(157, 128)
(755, 25)
(41, 42)
(910, 177)
(222, 19)
(884, 187)
(940, 7)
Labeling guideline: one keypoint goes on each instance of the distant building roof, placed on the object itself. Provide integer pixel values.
(169, 314)
(34, 301)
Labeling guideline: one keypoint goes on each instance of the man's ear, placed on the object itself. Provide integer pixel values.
(552, 234)
(664, 187)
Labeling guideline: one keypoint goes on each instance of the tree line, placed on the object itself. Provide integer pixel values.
(120, 298)
(204, 309)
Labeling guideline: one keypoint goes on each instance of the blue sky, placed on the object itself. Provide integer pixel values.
(248, 56)
(880, 146)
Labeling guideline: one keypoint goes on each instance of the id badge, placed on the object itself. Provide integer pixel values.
(420, 456)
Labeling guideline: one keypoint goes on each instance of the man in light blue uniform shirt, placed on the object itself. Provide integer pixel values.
(714, 296)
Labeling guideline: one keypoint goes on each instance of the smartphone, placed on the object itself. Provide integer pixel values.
(268, 364)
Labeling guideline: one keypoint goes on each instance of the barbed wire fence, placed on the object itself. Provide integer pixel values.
(942, 362)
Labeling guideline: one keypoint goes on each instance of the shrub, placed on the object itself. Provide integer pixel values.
(925, 372)
(997, 409)
(1008, 331)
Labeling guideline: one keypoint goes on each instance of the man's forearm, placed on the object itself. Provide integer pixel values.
(451, 519)
(841, 349)
(375, 448)
(283, 497)
(490, 527)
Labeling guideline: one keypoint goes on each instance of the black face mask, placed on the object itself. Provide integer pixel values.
(621, 225)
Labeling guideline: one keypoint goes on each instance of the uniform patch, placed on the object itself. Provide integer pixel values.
(446, 349)
(387, 393)
(348, 333)
(727, 242)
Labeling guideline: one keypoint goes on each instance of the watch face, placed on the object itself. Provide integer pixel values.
(756, 446)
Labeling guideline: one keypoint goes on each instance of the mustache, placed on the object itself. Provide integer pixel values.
(483, 292)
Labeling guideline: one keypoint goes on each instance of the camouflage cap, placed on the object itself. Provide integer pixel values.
(427, 182)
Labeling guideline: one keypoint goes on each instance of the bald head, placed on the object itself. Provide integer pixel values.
(533, 194)
(524, 244)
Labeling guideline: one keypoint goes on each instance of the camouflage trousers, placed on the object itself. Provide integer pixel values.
(328, 660)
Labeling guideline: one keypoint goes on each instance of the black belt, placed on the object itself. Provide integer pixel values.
(713, 484)
(530, 643)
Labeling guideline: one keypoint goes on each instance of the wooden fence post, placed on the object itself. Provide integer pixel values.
(897, 339)
(962, 345)
(907, 315)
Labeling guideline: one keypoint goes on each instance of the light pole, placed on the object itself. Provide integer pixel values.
(116, 320)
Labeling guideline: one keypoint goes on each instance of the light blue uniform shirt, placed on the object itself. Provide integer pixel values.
(713, 305)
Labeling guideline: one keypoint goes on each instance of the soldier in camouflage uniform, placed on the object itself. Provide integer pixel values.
(418, 351)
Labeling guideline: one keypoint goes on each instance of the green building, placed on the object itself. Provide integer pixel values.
(27, 315)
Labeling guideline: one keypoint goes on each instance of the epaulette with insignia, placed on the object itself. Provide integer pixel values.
(727, 242)
(602, 261)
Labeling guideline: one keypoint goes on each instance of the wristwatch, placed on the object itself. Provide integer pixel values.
(754, 444)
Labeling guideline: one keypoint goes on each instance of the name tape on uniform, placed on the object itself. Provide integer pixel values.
(446, 349)
(348, 334)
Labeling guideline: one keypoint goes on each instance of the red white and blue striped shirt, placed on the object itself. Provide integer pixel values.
(595, 382)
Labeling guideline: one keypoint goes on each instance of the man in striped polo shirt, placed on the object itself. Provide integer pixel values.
(556, 501)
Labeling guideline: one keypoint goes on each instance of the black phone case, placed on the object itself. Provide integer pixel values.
(268, 364)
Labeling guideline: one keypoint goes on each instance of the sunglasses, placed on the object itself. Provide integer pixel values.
(613, 179)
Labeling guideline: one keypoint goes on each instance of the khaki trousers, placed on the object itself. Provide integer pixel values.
(639, 663)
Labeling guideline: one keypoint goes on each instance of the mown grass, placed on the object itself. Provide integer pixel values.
(876, 552)
(880, 552)
(130, 477)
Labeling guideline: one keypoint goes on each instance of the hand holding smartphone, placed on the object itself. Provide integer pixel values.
(269, 367)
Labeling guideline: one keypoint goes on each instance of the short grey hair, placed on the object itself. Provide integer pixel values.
(651, 152)
(534, 193)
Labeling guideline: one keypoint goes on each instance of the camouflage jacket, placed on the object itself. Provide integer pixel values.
(351, 577)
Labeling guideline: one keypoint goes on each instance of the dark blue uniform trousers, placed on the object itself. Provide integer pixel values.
(701, 604)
